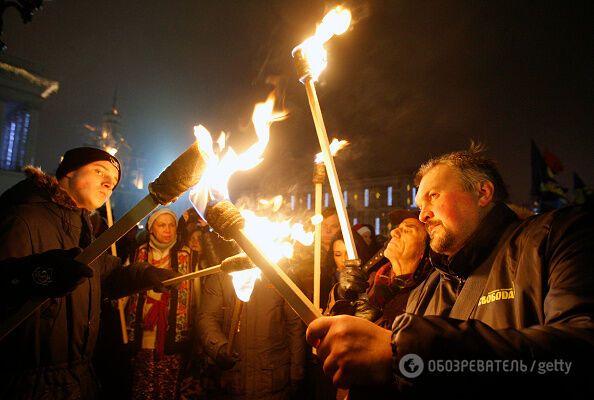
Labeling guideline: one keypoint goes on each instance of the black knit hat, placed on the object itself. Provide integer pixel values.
(79, 157)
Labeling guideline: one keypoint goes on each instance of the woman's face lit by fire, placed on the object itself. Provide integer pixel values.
(340, 254)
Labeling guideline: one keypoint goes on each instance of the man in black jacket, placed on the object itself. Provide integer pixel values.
(49, 354)
(509, 302)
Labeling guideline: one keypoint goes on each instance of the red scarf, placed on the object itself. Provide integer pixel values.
(157, 316)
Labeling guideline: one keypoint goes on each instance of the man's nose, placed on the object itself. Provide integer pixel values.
(425, 215)
(107, 183)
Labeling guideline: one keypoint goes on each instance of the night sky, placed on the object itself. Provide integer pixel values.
(410, 79)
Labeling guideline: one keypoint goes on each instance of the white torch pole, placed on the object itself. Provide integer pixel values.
(343, 218)
(318, 179)
(123, 300)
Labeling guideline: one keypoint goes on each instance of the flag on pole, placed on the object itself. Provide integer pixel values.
(548, 193)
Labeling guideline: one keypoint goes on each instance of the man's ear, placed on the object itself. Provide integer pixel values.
(486, 189)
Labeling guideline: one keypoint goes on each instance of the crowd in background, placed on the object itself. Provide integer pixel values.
(466, 270)
(179, 340)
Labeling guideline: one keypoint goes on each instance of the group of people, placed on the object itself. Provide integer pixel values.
(463, 279)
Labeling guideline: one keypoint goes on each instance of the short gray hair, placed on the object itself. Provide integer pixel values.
(472, 166)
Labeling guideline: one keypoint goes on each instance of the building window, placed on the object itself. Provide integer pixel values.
(326, 198)
(366, 198)
(15, 132)
(377, 225)
(389, 196)
(345, 196)
(309, 201)
(292, 202)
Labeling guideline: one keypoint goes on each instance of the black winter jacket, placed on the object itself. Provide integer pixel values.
(535, 304)
(48, 355)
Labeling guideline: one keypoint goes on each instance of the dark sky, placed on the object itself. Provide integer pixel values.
(411, 79)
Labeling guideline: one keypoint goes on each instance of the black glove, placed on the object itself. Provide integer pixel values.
(53, 273)
(153, 277)
(363, 309)
(351, 282)
(226, 361)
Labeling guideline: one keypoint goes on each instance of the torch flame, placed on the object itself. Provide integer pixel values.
(221, 141)
(335, 147)
(273, 204)
(275, 238)
(244, 281)
(335, 22)
(218, 171)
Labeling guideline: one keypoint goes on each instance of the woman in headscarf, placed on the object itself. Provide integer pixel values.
(160, 324)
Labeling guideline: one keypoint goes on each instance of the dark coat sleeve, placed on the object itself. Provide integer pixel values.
(567, 331)
(295, 329)
(211, 316)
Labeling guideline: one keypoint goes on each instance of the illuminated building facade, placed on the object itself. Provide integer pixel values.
(22, 93)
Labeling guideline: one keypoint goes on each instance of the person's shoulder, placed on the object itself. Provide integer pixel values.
(559, 225)
(31, 212)
(38, 188)
(560, 217)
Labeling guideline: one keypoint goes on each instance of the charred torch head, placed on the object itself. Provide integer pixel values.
(178, 177)
(237, 262)
(224, 218)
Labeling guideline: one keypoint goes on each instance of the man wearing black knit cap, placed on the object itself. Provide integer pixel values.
(48, 355)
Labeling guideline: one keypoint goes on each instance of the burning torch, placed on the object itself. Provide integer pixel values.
(210, 198)
(310, 60)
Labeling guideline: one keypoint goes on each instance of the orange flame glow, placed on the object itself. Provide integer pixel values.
(335, 147)
(335, 22)
(244, 281)
(273, 204)
(275, 238)
(218, 171)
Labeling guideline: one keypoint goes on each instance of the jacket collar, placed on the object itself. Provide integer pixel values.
(480, 244)
(40, 187)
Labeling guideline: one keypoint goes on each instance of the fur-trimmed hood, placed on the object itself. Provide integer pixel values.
(37, 187)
